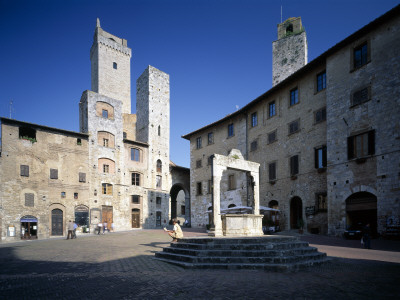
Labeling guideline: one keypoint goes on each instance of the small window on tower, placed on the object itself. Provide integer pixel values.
(115, 65)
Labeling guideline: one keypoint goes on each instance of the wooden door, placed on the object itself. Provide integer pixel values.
(135, 218)
(107, 215)
(56, 222)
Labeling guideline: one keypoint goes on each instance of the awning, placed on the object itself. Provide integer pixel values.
(28, 219)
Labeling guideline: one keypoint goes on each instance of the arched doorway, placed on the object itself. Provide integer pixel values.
(29, 228)
(361, 209)
(179, 207)
(82, 215)
(57, 227)
(135, 218)
(296, 213)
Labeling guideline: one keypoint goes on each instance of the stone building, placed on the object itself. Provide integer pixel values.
(326, 135)
(115, 170)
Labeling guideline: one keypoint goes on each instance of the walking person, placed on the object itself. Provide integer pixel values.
(99, 225)
(74, 232)
(104, 227)
(367, 236)
(112, 226)
(70, 228)
(176, 233)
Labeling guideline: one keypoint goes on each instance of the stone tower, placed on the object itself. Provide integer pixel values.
(110, 59)
(152, 127)
(290, 51)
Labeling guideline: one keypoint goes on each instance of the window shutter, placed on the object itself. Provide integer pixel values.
(371, 142)
(324, 157)
(53, 173)
(24, 170)
(29, 199)
(350, 147)
(316, 158)
(296, 164)
(82, 177)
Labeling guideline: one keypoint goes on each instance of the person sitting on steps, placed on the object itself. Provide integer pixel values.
(175, 233)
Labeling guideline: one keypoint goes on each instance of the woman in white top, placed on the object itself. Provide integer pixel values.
(176, 233)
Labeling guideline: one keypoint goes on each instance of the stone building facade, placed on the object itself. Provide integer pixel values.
(325, 135)
(115, 170)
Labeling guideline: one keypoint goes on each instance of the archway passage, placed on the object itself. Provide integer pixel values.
(361, 209)
(296, 213)
(57, 222)
(178, 202)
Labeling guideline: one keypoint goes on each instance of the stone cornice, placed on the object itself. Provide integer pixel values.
(114, 45)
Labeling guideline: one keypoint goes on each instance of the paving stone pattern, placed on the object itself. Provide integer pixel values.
(122, 266)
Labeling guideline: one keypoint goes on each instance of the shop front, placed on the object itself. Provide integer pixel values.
(29, 228)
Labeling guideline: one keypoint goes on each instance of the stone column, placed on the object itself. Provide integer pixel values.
(216, 200)
(256, 192)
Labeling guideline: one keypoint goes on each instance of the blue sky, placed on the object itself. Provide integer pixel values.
(218, 53)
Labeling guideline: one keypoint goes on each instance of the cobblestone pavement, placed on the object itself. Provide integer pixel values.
(121, 265)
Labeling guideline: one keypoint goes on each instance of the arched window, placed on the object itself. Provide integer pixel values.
(289, 28)
(159, 130)
(159, 166)
(105, 139)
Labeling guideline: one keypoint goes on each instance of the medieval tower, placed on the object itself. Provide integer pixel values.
(289, 52)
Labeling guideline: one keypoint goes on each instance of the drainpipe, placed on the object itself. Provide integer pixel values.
(246, 156)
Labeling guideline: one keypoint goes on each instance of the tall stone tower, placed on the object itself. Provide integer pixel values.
(290, 51)
(152, 125)
(111, 73)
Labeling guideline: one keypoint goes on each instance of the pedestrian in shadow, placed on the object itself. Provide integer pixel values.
(367, 236)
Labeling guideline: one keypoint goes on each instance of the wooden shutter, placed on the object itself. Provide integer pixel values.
(371, 142)
(24, 170)
(53, 173)
(324, 157)
(350, 147)
(82, 177)
(29, 199)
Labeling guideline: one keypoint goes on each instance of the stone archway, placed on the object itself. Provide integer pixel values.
(361, 209)
(179, 202)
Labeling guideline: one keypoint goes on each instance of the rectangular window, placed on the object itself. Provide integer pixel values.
(360, 96)
(294, 165)
(106, 168)
(158, 181)
(53, 173)
(135, 199)
(271, 109)
(254, 120)
(210, 138)
(29, 199)
(272, 171)
(253, 146)
(294, 126)
(158, 201)
(361, 145)
(231, 182)
(198, 143)
(322, 201)
(105, 142)
(294, 96)
(198, 163)
(320, 157)
(230, 130)
(27, 133)
(360, 55)
(210, 160)
(136, 179)
(320, 115)
(115, 66)
(75, 195)
(183, 212)
(272, 137)
(321, 81)
(24, 170)
(107, 189)
(82, 177)
(135, 154)
(209, 187)
(79, 141)
(104, 113)
(198, 188)
(63, 194)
